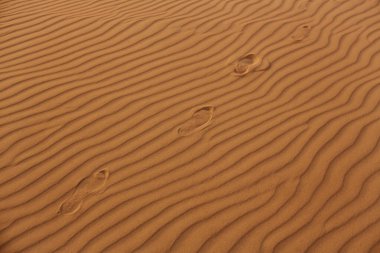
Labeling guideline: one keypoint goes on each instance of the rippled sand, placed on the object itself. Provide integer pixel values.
(210, 126)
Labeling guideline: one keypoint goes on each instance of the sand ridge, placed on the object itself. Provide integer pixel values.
(190, 126)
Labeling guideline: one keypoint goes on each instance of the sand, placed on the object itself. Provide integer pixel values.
(244, 126)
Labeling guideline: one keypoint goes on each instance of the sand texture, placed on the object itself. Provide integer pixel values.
(184, 126)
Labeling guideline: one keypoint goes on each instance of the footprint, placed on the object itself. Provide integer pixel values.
(70, 206)
(200, 119)
(301, 32)
(249, 63)
(95, 183)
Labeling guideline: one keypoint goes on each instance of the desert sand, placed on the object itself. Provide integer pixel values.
(210, 126)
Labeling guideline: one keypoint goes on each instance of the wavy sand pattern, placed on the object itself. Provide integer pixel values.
(190, 126)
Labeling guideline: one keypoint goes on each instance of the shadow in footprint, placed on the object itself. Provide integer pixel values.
(200, 119)
(250, 63)
(70, 206)
(301, 33)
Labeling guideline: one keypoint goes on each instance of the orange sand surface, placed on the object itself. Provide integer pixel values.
(181, 126)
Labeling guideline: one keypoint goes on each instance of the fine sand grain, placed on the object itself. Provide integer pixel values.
(181, 126)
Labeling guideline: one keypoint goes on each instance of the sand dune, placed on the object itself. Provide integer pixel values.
(190, 126)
